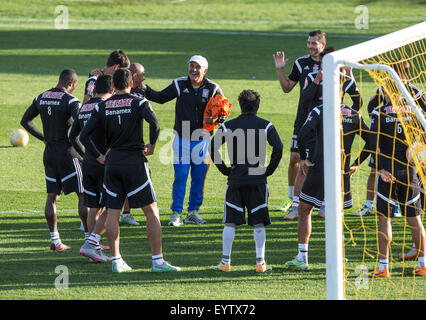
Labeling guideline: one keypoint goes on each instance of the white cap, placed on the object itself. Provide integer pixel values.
(200, 60)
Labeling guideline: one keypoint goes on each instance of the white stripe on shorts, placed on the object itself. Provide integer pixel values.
(89, 193)
(234, 206)
(50, 179)
(137, 189)
(109, 192)
(262, 205)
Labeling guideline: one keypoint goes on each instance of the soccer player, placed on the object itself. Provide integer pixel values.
(352, 123)
(138, 77)
(247, 187)
(61, 164)
(190, 146)
(312, 163)
(397, 184)
(93, 169)
(117, 59)
(402, 68)
(301, 68)
(127, 174)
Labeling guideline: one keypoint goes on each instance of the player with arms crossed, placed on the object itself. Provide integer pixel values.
(61, 164)
(126, 167)
(246, 138)
(301, 68)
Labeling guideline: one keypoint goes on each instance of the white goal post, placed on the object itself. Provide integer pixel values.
(332, 149)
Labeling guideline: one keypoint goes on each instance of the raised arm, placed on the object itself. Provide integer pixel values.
(280, 62)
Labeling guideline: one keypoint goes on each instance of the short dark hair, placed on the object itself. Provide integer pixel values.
(318, 33)
(249, 101)
(122, 78)
(118, 57)
(68, 75)
(103, 83)
(402, 67)
(327, 50)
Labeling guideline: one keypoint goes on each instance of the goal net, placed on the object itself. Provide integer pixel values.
(390, 73)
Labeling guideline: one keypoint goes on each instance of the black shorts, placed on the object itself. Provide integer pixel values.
(93, 177)
(422, 193)
(294, 147)
(404, 191)
(63, 173)
(128, 181)
(313, 188)
(347, 192)
(372, 162)
(254, 198)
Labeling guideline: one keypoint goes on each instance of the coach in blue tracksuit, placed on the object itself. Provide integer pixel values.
(190, 146)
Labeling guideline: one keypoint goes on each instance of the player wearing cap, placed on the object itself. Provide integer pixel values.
(127, 174)
(190, 146)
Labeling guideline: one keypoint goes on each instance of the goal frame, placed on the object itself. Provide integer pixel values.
(332, 62)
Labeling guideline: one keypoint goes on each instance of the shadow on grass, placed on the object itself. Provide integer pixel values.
(228, 56)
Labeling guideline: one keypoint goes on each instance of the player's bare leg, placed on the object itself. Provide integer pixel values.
(154, 233)
(113, 231)
(82, 211)
(153, 227)
(304, 230)
(293, 170)
(385, 238)
(52, 221)
(93, 216)
(113, 235)
(50, 211)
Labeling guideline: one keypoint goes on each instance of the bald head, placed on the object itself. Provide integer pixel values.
(138, 74)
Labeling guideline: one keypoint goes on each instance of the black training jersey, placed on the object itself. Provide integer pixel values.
(311, 96)
(122, 117)
(246, 138)
(388, 138)
(90, 86)
(190, 102)
(379, 97)
(310, 138)
(302, 67)
(352, 124)
(98, 136)
(55, 107)
(138, 92)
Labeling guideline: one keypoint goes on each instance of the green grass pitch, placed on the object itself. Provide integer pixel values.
(238, 38)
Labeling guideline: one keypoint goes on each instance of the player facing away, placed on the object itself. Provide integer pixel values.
(402, 68)
(93, 169)
(312, 162)
(61, 164)
(397, 184)
(301, 68)
(116, 59)
(190, 145)
(127, 174)
(247, 188)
